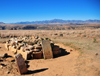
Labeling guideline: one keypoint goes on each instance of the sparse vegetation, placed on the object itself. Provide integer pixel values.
(94, 40)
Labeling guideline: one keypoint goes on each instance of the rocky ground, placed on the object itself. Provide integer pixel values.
(82, 57)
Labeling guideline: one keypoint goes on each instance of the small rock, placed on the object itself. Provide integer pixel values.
(11, 59)
(55, 34)
(61, 35)
(7, 72)
(3, 55)
(71, 50)
(1, 60)
(96, 53)
(1, 66)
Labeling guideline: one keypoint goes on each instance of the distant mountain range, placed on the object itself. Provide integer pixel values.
(2, 23)
(57, 21)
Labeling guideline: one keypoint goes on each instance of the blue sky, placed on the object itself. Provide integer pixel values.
(36, 10)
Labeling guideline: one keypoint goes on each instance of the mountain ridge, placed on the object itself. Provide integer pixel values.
(2, 23)
(58, 21)
(55, 21)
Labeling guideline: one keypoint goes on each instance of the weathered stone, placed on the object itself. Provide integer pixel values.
(26, 48)
(38, 47)
(11, 59)
(26, 55)
(7, 46)
(19, 46)
(47, 51)
(55, 48)
(12, 49)
(36, 50)
(22, 48)
(1, 60)
(1, 66)
(19, 41)
(31, 47)
(52, 44)
(37, 55)
(3, 55)
(57, 52)
(20, 64)
(13, 43)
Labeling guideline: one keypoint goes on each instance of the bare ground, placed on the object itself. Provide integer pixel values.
(83, 60)
(71, 64)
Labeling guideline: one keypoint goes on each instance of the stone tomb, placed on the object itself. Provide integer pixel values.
(20, 63)
(47, 51)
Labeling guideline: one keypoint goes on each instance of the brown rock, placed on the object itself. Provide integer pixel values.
(19, 46)
(52, 44)
(11, 59)
(55, 48)
(37, 55)
(7, 46)
(22, 48)
(38, 47)
(36, 50)
(31, 47)
(3, 55)
(47, 51)
(57, 52)
(71, 50)
(20, 64)
(19, 41)
(26, 55)
(12, 49)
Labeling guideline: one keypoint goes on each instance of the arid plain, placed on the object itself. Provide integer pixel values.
(82, 45)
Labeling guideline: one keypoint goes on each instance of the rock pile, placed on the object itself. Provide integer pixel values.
(30, 47)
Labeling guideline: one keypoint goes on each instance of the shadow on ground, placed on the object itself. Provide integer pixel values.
(63, 53)
(27, 64)
(35, 71)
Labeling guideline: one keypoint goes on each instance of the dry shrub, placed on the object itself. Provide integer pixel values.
(83, 35)
(78, 35)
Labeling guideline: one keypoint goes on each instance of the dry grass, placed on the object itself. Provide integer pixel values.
(87, 42)
(88, 39)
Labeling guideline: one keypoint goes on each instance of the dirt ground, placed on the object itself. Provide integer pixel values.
(83, 60)
(71, 64)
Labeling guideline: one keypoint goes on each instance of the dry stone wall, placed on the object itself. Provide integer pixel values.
(30, 47)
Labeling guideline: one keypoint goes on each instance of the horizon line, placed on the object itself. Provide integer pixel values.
(50, 19)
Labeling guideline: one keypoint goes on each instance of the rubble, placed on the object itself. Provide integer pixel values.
(3, 55)
(11, 59)
(31, 47)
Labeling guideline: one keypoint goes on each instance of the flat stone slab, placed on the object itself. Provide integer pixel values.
(20, 63)
(47, 51)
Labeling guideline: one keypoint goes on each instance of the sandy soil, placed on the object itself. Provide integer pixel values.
(71, 64)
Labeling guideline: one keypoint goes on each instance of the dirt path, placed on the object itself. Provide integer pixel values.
(60, 66)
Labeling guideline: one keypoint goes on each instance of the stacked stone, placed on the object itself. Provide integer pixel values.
(56, 50)
(30, 47)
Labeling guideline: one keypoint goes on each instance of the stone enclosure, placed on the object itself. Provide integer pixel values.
(32, 47)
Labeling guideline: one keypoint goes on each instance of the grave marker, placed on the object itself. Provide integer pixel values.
(20, 63)
(47, 51)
